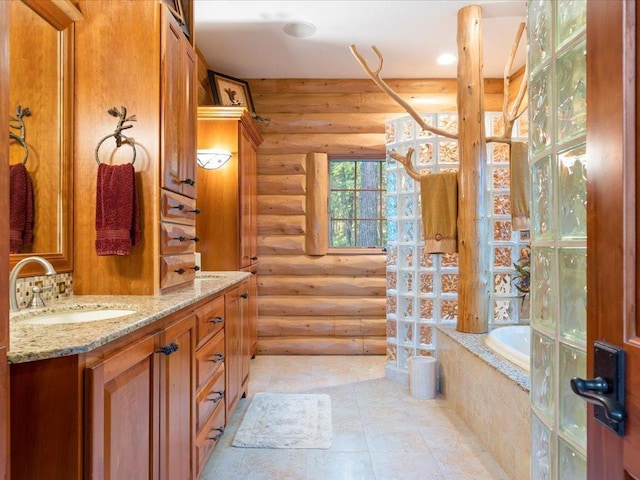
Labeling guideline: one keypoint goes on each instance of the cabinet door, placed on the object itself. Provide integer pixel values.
(252, 321)
(177, 400)
(245, 333)
(248, 200)
(232, 338)
(178, 116)
(122, 415)
(4, 413)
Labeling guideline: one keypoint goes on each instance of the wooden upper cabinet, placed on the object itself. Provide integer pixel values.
(179, 64)
(227, 225)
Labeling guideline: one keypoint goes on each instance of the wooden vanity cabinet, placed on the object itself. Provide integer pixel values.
(140, 413)
(237, 344)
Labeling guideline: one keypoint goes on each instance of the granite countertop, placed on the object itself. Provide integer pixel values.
(29, 342)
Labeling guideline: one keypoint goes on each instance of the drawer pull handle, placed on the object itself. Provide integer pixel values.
(196, 211)
(188, 181)
(182, 238)
(219, 396)
(218, 358)
(195, 267)
(168, 349)
(179, 207)
(216, 320)
(180, 271)
(217, 436)
(254, 258)
(244, 295)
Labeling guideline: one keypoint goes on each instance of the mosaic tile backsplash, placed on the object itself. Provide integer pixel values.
(53, 287)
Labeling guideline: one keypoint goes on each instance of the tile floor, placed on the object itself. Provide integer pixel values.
(380, 432)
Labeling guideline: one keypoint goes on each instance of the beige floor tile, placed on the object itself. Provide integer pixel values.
(380, 432)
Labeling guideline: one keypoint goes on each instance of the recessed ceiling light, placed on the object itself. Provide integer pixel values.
(446, 59)
(299, 29)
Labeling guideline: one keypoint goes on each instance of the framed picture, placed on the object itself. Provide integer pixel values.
(230, 92)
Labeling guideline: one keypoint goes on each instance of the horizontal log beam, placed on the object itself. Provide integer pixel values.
(363, 265)
(282, 164)
(281, 184)
(341, 85)
(281, 204)
(321, 326)
(310, 346)
(281, 245)
(281, 225)
(344, 143)
(374, 346)
(326, 123)
(319, 306)
(340, 286)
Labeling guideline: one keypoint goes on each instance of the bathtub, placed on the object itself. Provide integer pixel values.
(513, 343)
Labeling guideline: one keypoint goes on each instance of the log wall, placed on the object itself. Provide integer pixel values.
(333, 303)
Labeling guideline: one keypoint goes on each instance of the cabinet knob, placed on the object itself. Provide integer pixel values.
(168, 349)
(254, 258)
(196, 211)
(216, 320)
(180, 271)
(217, 358)
(217, 436)
(195, 267)
(188, 181)
(219, 396)
(182, 238)
(179, 207)
(244, 295)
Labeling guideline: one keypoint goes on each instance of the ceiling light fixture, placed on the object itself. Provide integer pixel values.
(446, 59)
(212, 159)
(299, 29)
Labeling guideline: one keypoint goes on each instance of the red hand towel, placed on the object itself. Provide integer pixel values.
(117, 210)
(21, 208)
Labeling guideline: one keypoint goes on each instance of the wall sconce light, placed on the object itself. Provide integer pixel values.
(212, 159)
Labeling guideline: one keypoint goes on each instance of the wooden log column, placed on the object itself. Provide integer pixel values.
(473, 232)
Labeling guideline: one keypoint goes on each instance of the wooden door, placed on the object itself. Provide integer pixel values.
(189, 113)
(245, 333)
(177, 397)
(612, 228)
(122, 439)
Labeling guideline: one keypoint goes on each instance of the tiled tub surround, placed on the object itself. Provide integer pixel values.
(490, 394)
(37, 342)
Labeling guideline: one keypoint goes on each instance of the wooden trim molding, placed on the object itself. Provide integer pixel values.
(317, 239)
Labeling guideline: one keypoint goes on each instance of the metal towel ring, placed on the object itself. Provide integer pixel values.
(21, 139)
(119, 137)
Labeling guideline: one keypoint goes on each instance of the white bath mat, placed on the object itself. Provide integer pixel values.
(279, 420)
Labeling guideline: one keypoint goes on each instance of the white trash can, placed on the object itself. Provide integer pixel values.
(422, 377)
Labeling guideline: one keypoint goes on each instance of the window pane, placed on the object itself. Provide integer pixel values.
(342, 205)
(342, 233)
(368, 204)
(368, 175)
(342, 175)
(368, 233)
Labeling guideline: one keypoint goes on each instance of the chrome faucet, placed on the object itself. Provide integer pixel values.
(13, 278)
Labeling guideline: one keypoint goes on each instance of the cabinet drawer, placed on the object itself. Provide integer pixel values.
(209, 397)
(177, 208)
(177, 269)
(209, 436)
(209, 358)
(210, 320)
(176, 238)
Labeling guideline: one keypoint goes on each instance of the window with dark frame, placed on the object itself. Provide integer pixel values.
(357, 202)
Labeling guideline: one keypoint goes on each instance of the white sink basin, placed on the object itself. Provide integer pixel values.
(77, 316)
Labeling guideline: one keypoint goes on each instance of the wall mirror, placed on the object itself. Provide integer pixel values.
(41, 95)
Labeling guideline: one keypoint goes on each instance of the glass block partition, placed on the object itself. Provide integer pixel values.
(557, 156)
(422, 288)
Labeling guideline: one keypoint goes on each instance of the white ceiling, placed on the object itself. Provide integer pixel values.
(245, 39)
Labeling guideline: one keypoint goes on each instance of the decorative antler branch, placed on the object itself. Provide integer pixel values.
(406, 161)
(510, 115)
(375, 76)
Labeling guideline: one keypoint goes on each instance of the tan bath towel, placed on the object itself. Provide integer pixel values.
(439, 199)
(519, 170)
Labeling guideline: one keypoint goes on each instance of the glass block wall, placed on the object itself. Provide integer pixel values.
(557, 156)
(422, 289)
